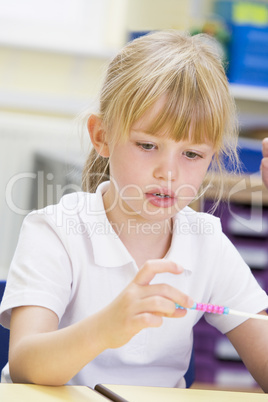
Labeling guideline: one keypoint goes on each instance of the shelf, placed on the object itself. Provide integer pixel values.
(251, 93)
(48, 104)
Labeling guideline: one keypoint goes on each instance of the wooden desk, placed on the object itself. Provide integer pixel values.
(120, 393)
(39, 393)
(215, 387)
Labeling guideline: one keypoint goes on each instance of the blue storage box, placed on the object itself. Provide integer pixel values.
(249, 55)
(250, 155)
(136, 34)
(248, 50)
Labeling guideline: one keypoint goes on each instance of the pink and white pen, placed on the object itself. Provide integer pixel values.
(214, 309)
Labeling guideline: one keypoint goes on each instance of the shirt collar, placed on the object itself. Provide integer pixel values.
(108, 249)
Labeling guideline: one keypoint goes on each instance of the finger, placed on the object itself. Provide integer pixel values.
(146, 320)
(265, 147)
(179, 313)
(264, 170)
(153, 267)
(156, 304)
(169, 292)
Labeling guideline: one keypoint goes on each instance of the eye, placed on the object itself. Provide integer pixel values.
(192, 155)
(146, 146)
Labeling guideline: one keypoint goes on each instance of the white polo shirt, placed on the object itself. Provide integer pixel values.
(70, 260)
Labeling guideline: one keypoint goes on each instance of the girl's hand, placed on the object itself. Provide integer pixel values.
(142, 305)
(38, 350)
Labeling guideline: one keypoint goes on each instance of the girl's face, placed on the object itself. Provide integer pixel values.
(154, 177)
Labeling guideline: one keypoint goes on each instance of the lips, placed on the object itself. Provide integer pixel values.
(162, 198)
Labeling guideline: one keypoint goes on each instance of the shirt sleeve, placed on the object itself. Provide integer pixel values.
(40, 273)
(234, 287)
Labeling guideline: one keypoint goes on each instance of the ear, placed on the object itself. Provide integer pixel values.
(98, 135)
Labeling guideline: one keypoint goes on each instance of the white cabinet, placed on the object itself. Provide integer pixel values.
(252, 106)
(250, 93)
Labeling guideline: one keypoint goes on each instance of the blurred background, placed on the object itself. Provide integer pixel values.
(53, 55)
(52, 58)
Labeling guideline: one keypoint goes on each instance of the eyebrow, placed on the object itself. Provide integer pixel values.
(144, 131)
(149, 133)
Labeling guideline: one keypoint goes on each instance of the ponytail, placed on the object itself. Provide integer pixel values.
(96, 171)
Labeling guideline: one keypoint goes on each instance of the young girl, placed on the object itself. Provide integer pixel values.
(92, 290)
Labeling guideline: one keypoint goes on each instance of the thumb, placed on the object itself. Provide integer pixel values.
(264, 171)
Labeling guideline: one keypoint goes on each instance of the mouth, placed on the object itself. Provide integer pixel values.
(160, 195)
(161, 192)
(163, 198)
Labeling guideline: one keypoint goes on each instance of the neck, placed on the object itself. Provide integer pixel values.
(147, 241)
(144, 239)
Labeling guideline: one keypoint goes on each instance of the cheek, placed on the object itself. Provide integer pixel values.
(126, 166)
(193, 180)
(122, 172)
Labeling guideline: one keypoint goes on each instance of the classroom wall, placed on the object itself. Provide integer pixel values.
(159, 14)
(61, 82)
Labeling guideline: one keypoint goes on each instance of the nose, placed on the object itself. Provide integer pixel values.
(166, 168)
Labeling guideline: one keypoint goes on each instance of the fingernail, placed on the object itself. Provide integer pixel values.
(180, 268)
(190, 302)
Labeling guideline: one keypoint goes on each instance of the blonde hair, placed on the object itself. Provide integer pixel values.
(188, 71)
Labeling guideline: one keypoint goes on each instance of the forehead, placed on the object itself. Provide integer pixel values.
(179, 120)
(148, 118)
